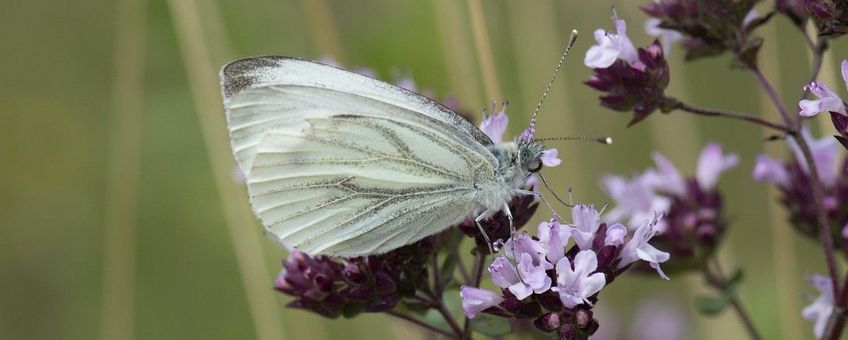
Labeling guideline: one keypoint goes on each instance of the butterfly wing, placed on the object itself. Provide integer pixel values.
(342, 164)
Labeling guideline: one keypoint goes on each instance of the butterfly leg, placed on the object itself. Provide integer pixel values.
(483, 232)
(508, 214)
(540, 196)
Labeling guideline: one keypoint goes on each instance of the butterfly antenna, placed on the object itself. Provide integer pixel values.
(545, 182)
(571, 39)
(601, 140)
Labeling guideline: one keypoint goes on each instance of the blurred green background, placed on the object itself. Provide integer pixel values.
(121, 218)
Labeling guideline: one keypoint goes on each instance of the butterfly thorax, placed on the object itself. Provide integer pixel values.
(517, 160)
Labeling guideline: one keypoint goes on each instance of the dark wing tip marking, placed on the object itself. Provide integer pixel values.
(241, 74)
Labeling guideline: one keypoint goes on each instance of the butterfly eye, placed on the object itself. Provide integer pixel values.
(535, 165)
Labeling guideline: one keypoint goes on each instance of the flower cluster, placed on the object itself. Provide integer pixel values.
(710, 27)
(333, 287)
(694, 221)
(543, 278)
(634, 80)
(793, 179)
(828, 101)
(831, 16)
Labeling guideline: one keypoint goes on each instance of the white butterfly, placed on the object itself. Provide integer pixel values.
(341, 164)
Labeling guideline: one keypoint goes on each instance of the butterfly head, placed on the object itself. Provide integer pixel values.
(529, 152)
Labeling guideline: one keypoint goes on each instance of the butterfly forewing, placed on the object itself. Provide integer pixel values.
(342, 164)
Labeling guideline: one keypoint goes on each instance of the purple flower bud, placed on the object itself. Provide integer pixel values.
(709, 27)
(548, 323)
(831, 16)
(794, 9)
(638, 87)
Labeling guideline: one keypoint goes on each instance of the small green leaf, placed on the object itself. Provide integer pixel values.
(490, 325)
(711, 306)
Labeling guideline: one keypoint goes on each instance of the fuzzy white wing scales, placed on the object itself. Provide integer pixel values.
(335, 169)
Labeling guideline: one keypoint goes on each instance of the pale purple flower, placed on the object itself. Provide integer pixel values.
(638, 248)
(711, 164)
(533, 277)
(238, 175)
(525, 244)
(820, 309)
(586, 221)
(549, 157)
(667, 178)
(494, 125)
(611, 47)
(476, 300)
(406, 82)
(576, 282)
(667, 36)
(531, 266)
(615, 235)
(771, 170)
(750, 17)
(636, 200)
(553, 237)
(845, 231)
(825, 152)
(827, 99)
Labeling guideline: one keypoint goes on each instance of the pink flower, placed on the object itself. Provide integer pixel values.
(494, 125)
(827, 99)
(586, 221)
(821, 308)
(476, 300)
(711, 164)
(667, 36)
(611, 47)
(825, 152)
(771, 170)
(639, 248)
(576, 281)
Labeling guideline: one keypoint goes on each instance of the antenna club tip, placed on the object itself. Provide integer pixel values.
(607, 140)
(574, 32)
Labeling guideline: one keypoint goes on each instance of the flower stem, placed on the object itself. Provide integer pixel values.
(423, 324)
(818, 56)
(727, 114)
(459, 333)
(772, 94)
(717, 279)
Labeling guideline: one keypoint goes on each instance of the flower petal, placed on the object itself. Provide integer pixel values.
(549, 157)
(712, 163)
(494, 126)
(476, 300)
(670, 179)
(770, 170)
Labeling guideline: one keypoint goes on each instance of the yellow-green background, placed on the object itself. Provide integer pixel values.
(104, 162)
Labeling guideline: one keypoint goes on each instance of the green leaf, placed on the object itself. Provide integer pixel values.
(711, 306)
(490, 325)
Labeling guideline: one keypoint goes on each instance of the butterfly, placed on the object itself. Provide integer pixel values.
(340, 164)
